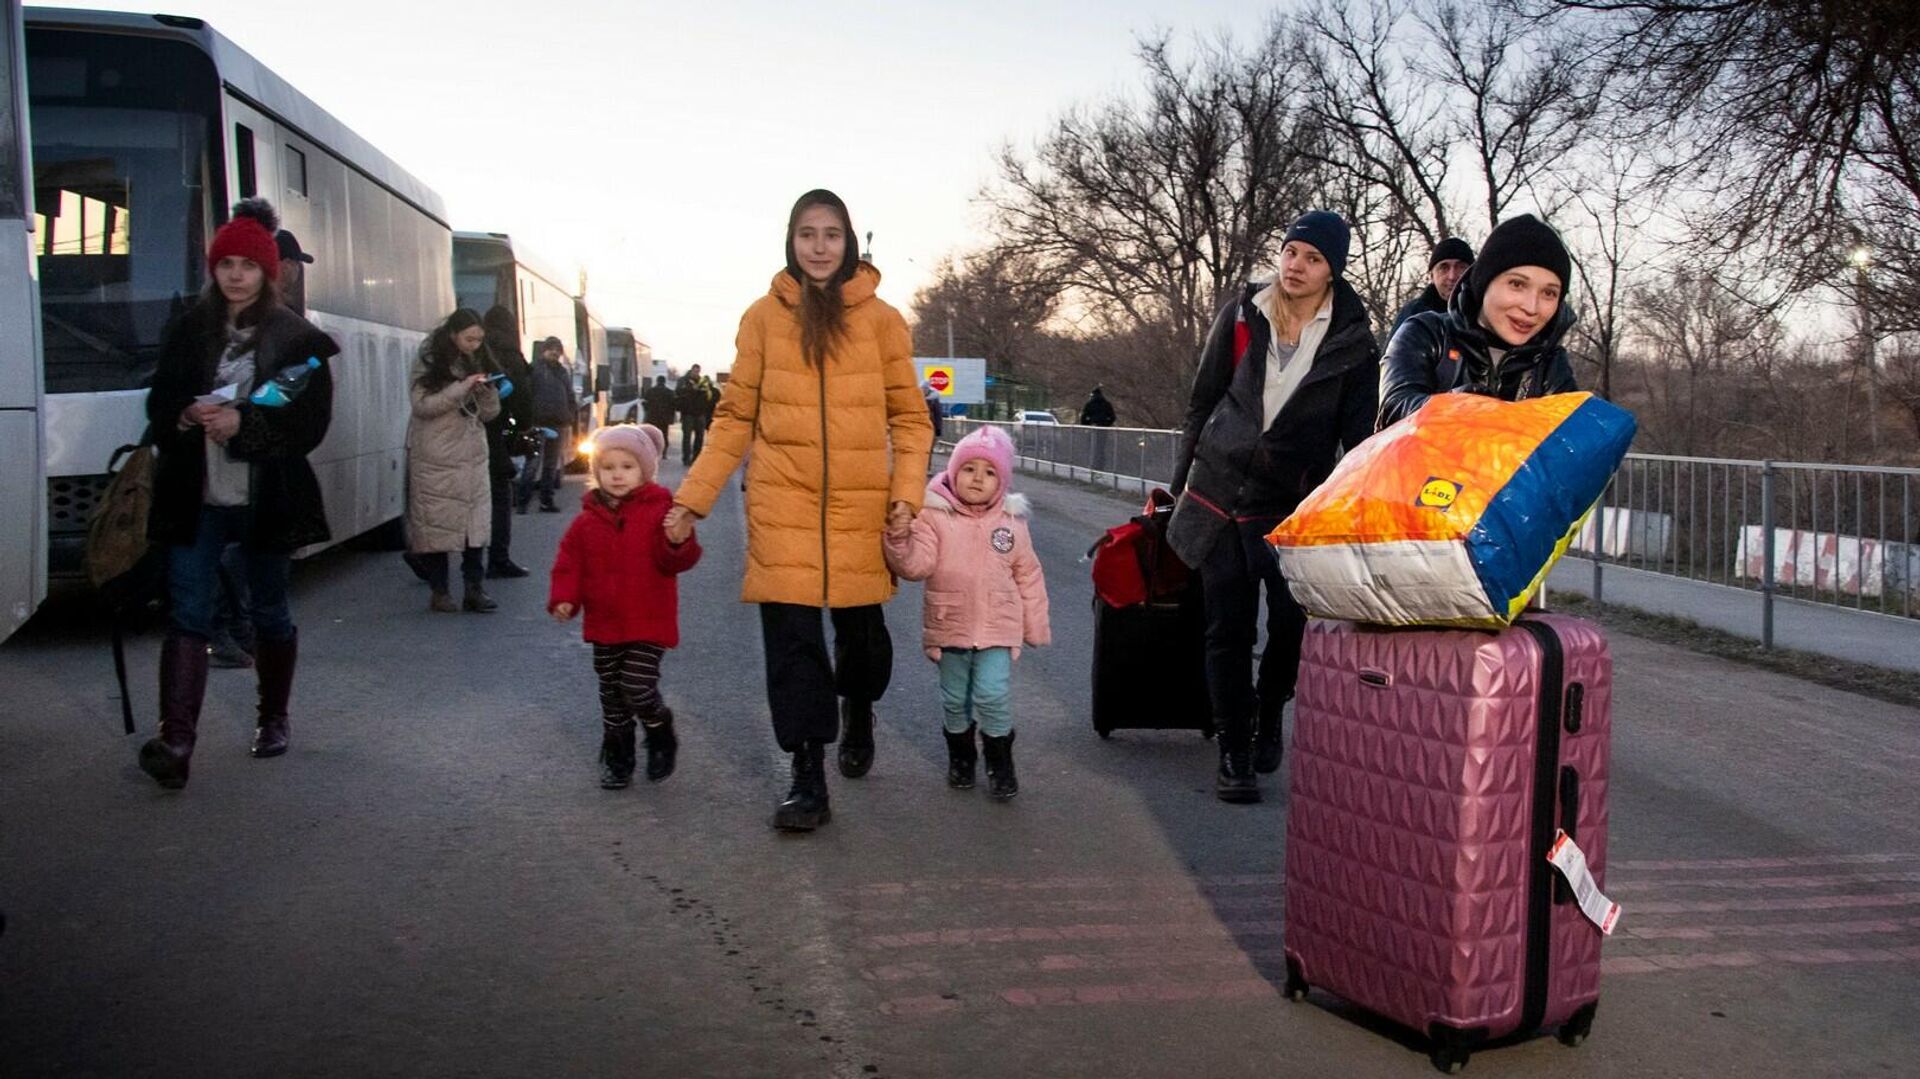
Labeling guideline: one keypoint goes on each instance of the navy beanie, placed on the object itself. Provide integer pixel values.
(1327, 233)
(1453, 247)
(1520, 241)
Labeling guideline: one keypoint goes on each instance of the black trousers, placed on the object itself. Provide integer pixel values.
(1231, 577)
(499, 545)
(472, 567)
(693, 436)
(803, 688)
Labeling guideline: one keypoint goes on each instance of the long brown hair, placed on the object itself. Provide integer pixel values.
(823, 314)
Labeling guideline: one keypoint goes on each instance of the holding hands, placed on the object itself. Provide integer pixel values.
(679, 524)
(563, 612)
(899, 521)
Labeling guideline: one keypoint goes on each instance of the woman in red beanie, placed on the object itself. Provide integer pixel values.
(232, 471)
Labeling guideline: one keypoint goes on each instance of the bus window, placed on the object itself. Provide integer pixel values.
(296, 172)
(243, 157)
(123, 190)
(12, 195)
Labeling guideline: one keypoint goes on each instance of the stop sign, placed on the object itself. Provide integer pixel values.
(939, 379)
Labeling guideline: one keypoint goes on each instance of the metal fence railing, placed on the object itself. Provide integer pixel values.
(1843, 535)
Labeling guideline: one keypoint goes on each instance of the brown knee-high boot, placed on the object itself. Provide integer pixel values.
(274, 662)
(183, 685)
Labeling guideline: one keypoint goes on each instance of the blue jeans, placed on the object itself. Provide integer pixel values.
(976, 685)
(193, 577)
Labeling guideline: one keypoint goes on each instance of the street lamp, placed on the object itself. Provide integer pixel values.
(1862, 258)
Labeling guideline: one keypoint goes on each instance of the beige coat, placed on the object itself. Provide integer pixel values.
(832, 447)
(449, 493)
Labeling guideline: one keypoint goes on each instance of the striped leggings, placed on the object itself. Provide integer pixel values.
(629, 682)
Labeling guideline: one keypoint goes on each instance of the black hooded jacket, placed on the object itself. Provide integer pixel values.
(1428, 299)
(1438, 353)
(286, 511)
(1230, 468)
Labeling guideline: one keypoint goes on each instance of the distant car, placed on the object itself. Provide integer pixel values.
(1034, 415)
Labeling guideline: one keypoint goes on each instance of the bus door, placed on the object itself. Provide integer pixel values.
(23, 490)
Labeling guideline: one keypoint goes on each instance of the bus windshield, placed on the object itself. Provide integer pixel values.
(482, 274)
(123, 190)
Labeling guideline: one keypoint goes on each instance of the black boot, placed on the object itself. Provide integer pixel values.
(806, 806)
(961, 757)
(274, 662)
(183, 685)
(856, 737)
(1237, 782)
(1001, 782)
(1266, 739)
(662, 746)
(616, 757)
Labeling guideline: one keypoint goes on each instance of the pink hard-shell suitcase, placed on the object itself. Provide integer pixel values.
(1430, 770)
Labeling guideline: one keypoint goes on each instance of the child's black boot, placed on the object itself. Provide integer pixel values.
(662, 746)
(1001, 782)
(616, 756)
(961, 757)
(806, 806)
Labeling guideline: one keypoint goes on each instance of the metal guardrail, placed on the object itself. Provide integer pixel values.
(1843, 535)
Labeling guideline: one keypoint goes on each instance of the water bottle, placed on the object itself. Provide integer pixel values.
(286, 384)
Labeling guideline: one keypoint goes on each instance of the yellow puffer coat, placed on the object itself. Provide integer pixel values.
(832, 448)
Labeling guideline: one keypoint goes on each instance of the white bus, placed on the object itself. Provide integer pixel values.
(489, 270)
(23, 499)
(629, 371)
(146, 128)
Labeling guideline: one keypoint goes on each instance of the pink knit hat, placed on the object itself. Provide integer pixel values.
(989, 443)
(643, 440)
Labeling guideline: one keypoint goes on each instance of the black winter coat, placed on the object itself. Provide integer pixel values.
(516, 408)
(1428, 300)
(1438, 353)
(658, 401)
(1230, 469)
(286, 511)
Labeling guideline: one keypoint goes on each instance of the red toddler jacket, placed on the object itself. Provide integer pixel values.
(617, 567)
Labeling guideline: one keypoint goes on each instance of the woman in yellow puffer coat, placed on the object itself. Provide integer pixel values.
(824, 392)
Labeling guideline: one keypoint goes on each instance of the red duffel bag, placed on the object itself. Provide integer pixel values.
(1132, 563)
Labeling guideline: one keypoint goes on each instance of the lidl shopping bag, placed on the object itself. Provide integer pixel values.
(1454, 515)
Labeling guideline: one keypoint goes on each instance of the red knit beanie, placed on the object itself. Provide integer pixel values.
(249, 235)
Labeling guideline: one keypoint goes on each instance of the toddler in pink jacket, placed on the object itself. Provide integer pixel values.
(985, 598)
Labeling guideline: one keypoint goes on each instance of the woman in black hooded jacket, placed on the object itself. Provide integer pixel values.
(233, 472)
(1501, 334)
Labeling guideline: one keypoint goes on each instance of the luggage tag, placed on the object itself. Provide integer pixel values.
(1571, 861)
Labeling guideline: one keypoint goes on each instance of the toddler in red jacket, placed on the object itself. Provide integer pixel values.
(617, 566)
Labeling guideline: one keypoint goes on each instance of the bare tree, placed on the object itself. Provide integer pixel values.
(1520, 102)
(1142, 215)
(1607, 203)
(1801, 121)
(1378, 123)
(991, 305)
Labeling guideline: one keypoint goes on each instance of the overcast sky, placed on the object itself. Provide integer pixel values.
(659, 146)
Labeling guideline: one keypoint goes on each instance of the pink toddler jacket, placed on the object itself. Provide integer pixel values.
(985, 588)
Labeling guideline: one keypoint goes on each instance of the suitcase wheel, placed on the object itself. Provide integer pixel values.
(1578, 1026)
(1104, 732)
(1451, 1046)
(1296, 987)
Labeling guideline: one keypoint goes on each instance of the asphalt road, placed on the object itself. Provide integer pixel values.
(432, 883)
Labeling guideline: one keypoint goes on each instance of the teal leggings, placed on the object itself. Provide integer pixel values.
(976, 685)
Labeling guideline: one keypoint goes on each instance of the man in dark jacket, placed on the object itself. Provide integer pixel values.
(1098, 411)
(1287, 381)
(658, 402)
(554, 409)
(512, 425)
(1500, 336)
(696, 398)
(1445, 267)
